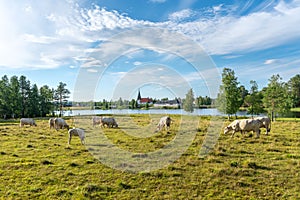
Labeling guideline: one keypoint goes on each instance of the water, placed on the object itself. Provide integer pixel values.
(197, 112)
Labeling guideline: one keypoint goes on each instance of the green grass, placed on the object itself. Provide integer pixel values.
(295, 109)
(287, 119)
(36, 162)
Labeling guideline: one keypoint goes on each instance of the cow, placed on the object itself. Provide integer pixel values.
(244, 125)
(109, 121)
(233, 126)
(96, 120)
(60, 123)
(164, 122)
(27, 121)
(76, 132)
(266, 123)
(51, 123)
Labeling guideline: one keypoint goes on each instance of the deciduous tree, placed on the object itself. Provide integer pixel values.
(276, 97)
(228, 100)
(188, 104)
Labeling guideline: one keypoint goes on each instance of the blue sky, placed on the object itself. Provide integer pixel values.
(106, 49)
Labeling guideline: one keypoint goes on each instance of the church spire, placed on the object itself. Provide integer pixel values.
(139, 95)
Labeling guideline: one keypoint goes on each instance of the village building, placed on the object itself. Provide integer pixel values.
(143, 101)
(175, 103)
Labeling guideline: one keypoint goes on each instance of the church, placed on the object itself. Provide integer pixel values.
(143, 101)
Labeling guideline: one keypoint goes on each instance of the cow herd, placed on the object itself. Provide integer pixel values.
(110, 122)
(242, 125)
(246, 125)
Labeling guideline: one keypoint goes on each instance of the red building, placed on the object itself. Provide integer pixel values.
(143, 101)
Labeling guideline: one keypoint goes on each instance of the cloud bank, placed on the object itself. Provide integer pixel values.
(50, 34)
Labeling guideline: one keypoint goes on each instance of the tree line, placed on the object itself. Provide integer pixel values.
(20, 98)
(277, 98)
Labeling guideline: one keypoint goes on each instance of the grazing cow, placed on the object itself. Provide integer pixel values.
(76, 132)
(27, 121)
(109, 121)
(233, 126)
(96, 120)
(266, 123)
(60, 123)
(243, 126)
(164, 122)
(51, 123)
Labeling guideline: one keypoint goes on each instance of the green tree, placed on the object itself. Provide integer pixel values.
(46, 97)
(24, 95)
(276, 98)
(120, 103)
(61, 94)
(243, 93)
(188, 104)
(33, 102)
(294, 89)
(5, 107)
(133, 104)
(15, 97)
(228, 100)
(254, 100)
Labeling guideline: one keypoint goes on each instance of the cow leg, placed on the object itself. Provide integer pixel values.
(232, 133)
(70, 137)
(257, 133)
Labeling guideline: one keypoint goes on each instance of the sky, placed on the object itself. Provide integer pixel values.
(107, 49)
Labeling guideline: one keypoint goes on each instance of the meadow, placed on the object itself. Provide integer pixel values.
(37, 162)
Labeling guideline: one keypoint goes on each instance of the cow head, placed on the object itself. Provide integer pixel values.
(227, 129)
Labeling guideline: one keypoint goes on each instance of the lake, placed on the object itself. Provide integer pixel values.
(197, 112)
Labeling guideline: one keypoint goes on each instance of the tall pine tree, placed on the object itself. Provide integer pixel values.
(61, 95)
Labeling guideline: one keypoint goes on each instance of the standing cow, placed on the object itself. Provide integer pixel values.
(76, 132)
(51, 123)
(266, 123)
(244, 125)
(60, 123)
(27, 121)
(164, 122)
(110, 122)
(96, 120)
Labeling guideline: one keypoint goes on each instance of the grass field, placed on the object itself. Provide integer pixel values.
(37, 162)
(295, 109)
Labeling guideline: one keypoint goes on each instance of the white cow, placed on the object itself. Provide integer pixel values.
(266, 123)
(164, 122)
(51, 123)
(244, 125)
(27, 121)
(76, 132)
(96, 120)
(60, 123)
(109, 121)
(233, 126)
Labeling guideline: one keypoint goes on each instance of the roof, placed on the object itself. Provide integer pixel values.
(145, 100)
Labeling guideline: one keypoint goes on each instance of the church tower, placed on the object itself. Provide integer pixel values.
(139, 97)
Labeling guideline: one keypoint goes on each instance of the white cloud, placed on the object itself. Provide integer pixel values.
(181, 15)
(271, 61)
(256, 31)
(137, 63)
(51, 34)
(92, 70)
